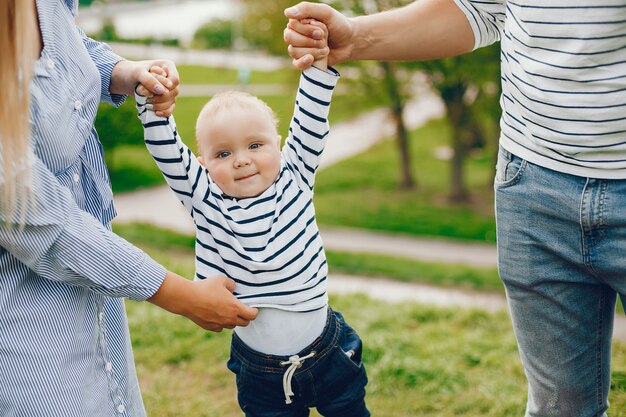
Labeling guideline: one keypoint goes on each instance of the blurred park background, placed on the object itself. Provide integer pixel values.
(432, 181)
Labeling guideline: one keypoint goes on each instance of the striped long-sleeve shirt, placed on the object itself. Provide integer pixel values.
(269, 244)
(563, 80)
(64, 343)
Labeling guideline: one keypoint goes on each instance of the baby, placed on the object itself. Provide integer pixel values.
(255, 223)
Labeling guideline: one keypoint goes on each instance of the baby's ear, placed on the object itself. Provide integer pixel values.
(201, 161)
(279, 140)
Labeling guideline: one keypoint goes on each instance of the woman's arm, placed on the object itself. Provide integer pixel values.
(54, 238)
(119, 76)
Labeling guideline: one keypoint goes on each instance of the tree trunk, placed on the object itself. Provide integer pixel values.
(402, 136)
(453, 99)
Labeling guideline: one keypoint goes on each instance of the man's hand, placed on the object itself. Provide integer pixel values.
(209, 303)
(128, 74)
(306, 42)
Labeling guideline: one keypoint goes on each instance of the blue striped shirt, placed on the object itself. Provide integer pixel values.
(269, 244)
(64, 343)
(563, 80)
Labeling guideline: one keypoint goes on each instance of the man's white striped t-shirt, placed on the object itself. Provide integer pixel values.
(269, 244)
(563, 80)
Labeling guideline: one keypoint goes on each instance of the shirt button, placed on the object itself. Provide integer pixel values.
(76, 177)
(101, 316)
(121, 408)
(78, 105)
(108, 366)
(50, 63)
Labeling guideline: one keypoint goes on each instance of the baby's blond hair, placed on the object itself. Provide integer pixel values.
(227, 101)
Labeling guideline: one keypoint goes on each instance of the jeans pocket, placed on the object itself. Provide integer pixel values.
(509, 169)
(237, 367)
(349, 346)
(351, 359)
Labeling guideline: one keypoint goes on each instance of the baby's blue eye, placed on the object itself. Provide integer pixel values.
(223, 154)
(255, 146)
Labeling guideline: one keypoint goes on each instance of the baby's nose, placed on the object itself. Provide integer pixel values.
(241, 162)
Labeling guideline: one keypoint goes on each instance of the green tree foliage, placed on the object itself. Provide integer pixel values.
(470, 88)
(469, 85)
(108, 32)
(118, 126)
(217, 34)
(264, 22)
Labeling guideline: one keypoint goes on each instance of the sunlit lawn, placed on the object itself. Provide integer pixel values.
(199, 74)
(368, 181)
(397, 268)
(420, 360)
(363, 191)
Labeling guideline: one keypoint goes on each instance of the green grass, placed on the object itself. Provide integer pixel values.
(431, 362)
(408, 270)
(420, 360)
(198, 74)
(155, 237)
(364, 192)
(156, 240)
(161, 242)
(368, 181)
(133, 168)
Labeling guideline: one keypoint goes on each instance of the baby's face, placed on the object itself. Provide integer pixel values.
(241, 150)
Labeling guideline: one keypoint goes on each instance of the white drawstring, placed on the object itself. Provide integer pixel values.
(294, 363)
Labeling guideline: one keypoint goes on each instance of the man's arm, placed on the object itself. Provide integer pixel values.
(422, 30)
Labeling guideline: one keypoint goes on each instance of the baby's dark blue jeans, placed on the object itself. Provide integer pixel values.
(328, 375)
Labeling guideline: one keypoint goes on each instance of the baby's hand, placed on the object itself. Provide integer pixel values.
(321, 58)
(161, 74)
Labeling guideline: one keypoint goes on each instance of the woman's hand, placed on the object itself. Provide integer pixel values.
(128, 74)
(209, 303)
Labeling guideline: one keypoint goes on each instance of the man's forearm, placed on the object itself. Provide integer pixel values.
(425, 29)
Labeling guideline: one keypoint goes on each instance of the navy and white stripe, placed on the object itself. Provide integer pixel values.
(563, 80)
(270, 244)
(64, 343)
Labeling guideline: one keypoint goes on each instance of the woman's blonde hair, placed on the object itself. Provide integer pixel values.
(19, 46)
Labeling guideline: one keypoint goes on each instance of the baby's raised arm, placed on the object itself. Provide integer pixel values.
(321, 61)
(309, 128)
(179, 166)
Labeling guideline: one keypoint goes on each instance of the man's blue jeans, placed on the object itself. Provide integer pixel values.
(562, 258)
